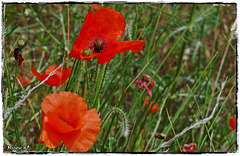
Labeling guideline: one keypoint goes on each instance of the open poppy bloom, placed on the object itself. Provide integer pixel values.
(66, 118)
(143, 83)
(233, 123)
(99, 37)
(154, 107)
(58, 78)
(25, 81)
(189, 147)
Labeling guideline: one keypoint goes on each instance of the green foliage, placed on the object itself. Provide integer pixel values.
(189, 51)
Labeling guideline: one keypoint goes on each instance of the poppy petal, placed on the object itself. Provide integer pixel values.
(89, 131)
(89, 18)
(51, 68)
(48, 136)
(53, 80)
(233, 123)
(40, 76)
(67, 103)
(59, 123)
(105, 58)
(58, 78)
(146, 102)
(83, 39)
(108, 24)
(134, 46)
(66, 74)
(25, 81)
(96, 6)
(70, 138)
(154, 108)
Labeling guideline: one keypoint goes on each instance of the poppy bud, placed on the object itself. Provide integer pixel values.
(121, 141)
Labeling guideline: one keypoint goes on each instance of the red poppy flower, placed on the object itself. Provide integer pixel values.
(189, 147)
(99, 35)
(24, 82)
(233, 123)
(96, 6)
(66, 118)
(143, 83)
(154, 107)
(58, 78)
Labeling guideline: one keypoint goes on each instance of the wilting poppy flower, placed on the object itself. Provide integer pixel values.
(96, 6)
(58, 78)
(189, 147)
(143, 83)
(66, 118)
(99, 37)
(18, 56)
(233, 123)
(25, 81)
(154, 107)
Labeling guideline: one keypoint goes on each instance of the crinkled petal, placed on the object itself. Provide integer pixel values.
(91, 127)
(66, 104)
(48, 136)
(60, 124)
(70, 138)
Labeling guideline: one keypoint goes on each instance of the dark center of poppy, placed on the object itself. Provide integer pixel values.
(65, 120)
(98, 45)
